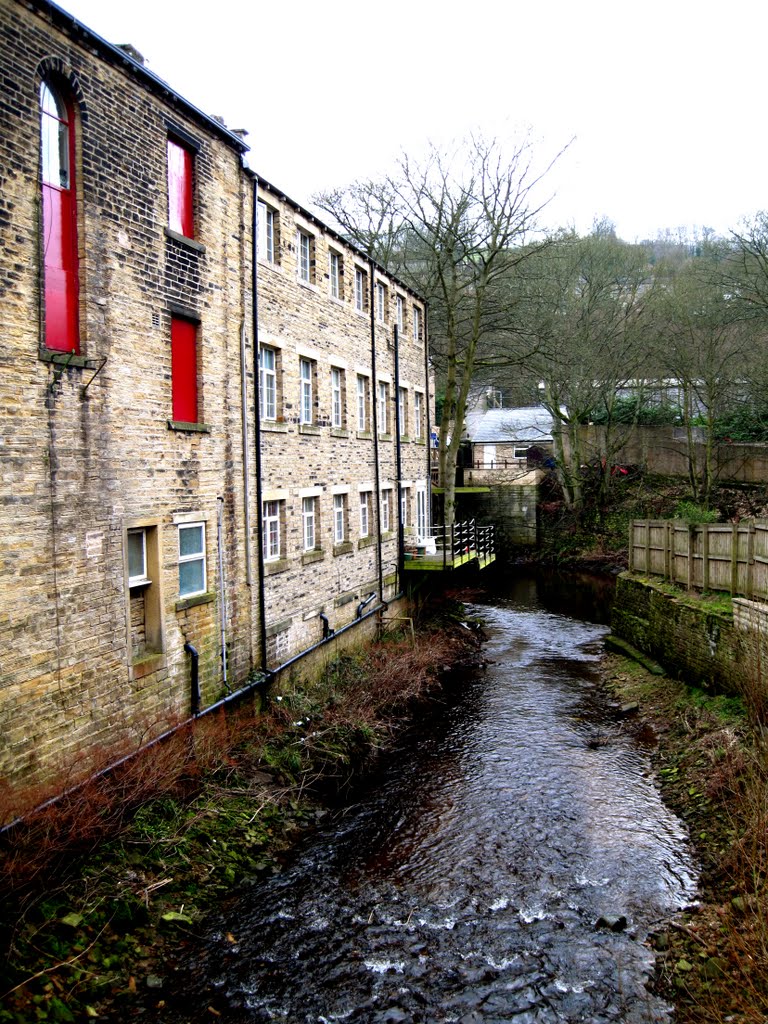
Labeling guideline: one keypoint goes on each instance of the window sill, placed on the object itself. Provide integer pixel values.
(147, 663)
(312, 556)
(190, 243)
(338, 299)
(365, 542)
(339, 432)
(345, 548)
(385, 437)
(188, 428)
(309, 285)
(309, 428)
(404, 439)
(387, 537)
(194, 600)
(277, 627)
(49, 355)
(364, 435)
(139, 584)
(419, 440)
(275, 426)
(272, 264)
(279, 565)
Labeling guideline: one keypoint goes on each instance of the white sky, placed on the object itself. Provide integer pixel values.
(665, 98)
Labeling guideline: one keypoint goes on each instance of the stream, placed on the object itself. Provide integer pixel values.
(507, 867)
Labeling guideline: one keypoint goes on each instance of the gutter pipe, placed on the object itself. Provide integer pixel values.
(375, 419)
(257, 419)
(399, 466)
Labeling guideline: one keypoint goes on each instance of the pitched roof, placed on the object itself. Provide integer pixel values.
(531, 425)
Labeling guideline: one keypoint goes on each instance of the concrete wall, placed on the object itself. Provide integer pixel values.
(664, 450)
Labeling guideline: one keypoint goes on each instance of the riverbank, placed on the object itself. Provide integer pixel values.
(102, 891)
(711, 764)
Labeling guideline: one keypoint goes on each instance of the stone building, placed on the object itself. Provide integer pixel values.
(145, 476)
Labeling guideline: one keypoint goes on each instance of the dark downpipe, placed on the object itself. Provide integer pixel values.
(399, 466)
(257, 416)
(327, 630)
(375, 421)
(194, 679)
(428, 425)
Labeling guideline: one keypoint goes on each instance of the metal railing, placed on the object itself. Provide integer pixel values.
(451, 546)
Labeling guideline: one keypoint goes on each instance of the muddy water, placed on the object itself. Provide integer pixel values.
(468, 885)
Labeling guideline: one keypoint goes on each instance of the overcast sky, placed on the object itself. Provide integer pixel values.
(665, 99)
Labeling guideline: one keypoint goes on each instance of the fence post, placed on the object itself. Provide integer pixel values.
(750, 558)
(648, 546)
(669, 540)
(631, 552)
(734, 558)
(705, 557)
(691, 528)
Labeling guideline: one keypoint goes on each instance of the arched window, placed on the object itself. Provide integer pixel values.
(60, 271)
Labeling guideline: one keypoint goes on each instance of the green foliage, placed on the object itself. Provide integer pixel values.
(635, 409)
(747, 424)
(693, 513)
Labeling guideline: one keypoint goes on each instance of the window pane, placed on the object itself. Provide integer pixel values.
(137, 567)
(191, 540)
(191, 577)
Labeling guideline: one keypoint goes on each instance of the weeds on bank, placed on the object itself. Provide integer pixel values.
(96, 886)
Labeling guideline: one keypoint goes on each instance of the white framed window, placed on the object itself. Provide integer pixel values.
(365, 513)
(402, 411)
(362, 403)
(305, 245)
(400, 314)
(405, 505)
(137, 558)
(386, 510)
(270, 521)
(268, 383)
(421, 512)
(266, 220)
(334, 274)
(339, 518)
(360, 289)
(416, 323)
(308, 522)
(191, 559)
(381, 302)
(337, 413)
(305, 396)
(383, 403)
(418, 413)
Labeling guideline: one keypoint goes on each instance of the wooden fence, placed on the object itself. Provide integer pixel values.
(704, 556)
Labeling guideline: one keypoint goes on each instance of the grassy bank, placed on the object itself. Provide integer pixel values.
(99, 890)
(711, 756)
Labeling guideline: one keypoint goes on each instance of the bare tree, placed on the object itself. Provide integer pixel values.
(706, 345)
(454, 226)
(584, 304)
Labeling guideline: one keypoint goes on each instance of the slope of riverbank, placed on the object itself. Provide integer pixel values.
(100, 891)
(713, 771)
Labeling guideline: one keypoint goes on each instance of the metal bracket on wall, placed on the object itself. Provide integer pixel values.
(58, 374)
(96, 373)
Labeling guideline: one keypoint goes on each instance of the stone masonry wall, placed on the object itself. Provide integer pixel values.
(318, 460)
(705, 648)
(86, 450)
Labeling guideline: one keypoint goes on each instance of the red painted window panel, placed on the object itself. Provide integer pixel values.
(184, 370)
(60, 259)
(180, 206)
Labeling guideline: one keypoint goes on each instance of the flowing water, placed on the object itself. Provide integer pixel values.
(469, 884)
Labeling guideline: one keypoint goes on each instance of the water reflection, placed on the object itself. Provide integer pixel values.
(468, 885)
